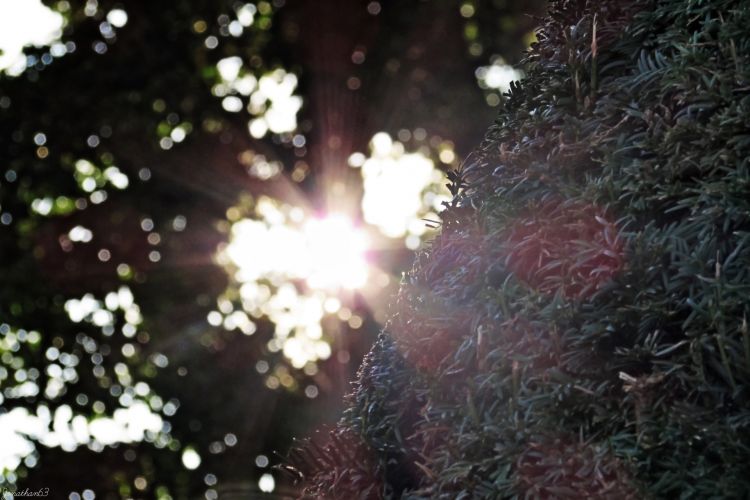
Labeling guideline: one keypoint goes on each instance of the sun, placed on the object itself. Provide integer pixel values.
(337, 252)
(295, 268)
(326, 253)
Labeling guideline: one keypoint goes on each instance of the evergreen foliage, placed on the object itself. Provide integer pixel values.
(578, 329)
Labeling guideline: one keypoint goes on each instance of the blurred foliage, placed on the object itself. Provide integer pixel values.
(120, 164)
(579, 327)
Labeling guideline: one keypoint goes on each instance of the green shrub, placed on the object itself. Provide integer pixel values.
(578, 329)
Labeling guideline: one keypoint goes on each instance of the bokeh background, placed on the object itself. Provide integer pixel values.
(205, 208)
